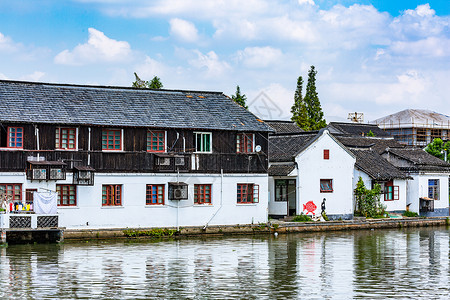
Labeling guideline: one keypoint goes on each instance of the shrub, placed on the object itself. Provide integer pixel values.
(410, 214)
(301, 218)
(368, 201)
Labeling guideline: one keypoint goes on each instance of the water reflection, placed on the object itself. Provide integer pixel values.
(336, 265)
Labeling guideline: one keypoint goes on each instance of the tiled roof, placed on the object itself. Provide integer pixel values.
(356, 129)
(414, 118)
(376, 144)
(281, 170)
(285, 148)
(120, 106)
(419, 159)
(283, 127)
(376, 166)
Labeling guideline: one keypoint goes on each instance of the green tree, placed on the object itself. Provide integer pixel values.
(368, 201)
(438, 148)
(155, 83)
(313, 108)
(298, 109)
(238, 98)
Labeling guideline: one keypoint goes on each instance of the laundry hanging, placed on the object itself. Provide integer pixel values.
(45, 203)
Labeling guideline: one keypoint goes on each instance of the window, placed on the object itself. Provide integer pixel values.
(281, 190)
(66, 138)
(391, 191)
(326, 185)
(247, 193)
(244, 143)
(433, 189)
(111, 195)
(29, 194)
(203, 141)
(156, 141)
(67, 194)
(326, 154)
(12, 190)
(202, 193)
(155, 194)
(15, 137)
(111, 139)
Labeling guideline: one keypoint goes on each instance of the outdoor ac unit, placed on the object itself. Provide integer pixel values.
(84, 175)
(164, 161)
(57, 174)
(178, 191)
(39, 174)
(179, 161)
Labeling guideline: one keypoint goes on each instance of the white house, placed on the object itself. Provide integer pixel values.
(305, 169)
(121, 157)
(428, 191)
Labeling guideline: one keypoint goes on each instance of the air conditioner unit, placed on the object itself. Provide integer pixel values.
(39, 174)
(84, 175)
(163, 161)
(57, 174)
(179, 160)
(178, 191)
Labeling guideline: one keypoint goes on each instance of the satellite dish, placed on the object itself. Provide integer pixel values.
(258, 148)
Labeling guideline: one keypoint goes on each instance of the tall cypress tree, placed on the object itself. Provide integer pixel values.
(313, 108)
(239, 99)
(298, 109)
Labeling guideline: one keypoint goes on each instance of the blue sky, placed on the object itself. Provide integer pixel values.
(375, 57)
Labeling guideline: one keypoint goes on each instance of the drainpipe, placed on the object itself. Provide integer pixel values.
(89, 147)
(36, 133)
(221, 199)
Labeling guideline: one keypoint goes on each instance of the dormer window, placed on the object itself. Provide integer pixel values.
(66, 138)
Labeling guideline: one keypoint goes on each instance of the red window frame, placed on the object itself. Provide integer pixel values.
(244, 143)
(67, 194)
(15, 137)
(326, 185)
(12, 189)
(29, 194)
(111, 195)
(326, 154)
(202, 193)
(156, 141)
(112, 139)
(66, 138)
(247, 193)
(155, 194)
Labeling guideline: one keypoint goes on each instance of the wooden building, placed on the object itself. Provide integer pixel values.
(162, 157)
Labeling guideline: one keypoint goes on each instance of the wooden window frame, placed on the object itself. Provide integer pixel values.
(59, 140)
(202, 193)
(434, 189)
(111, 195)
(281, 191)
(155, 194)
(160, 141)
(110, 135)
(391, 191)
(245, 143)
(326, 154)
(200, 148)
(14, 189)
(15, 136)
(247, 193)
(29, 194)
(65, 190)
(329, 182)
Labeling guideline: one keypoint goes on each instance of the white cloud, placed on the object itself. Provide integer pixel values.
(35, 76)
(99, 48)
(150, 68)
(432, 46)
(183, 30)
(210, 63)
(259, 57)
(302, 2)
(7, 44)
(409, 89)
(3, 76)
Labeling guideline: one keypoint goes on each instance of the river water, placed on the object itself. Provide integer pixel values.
(372, 264)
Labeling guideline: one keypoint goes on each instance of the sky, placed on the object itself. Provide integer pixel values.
(372, 57)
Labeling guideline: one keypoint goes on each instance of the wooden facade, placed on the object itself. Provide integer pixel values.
(134, 157)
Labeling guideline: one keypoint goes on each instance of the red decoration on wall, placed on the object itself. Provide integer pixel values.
(310, 207)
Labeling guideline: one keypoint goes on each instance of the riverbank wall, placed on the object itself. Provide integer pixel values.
(271, 227)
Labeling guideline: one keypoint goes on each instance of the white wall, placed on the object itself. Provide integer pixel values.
(400, 204)
(312, 168)
(89, 212)
(418, 187)
(278, 208)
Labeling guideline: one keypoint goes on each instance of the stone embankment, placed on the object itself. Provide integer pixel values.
(271, 227)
